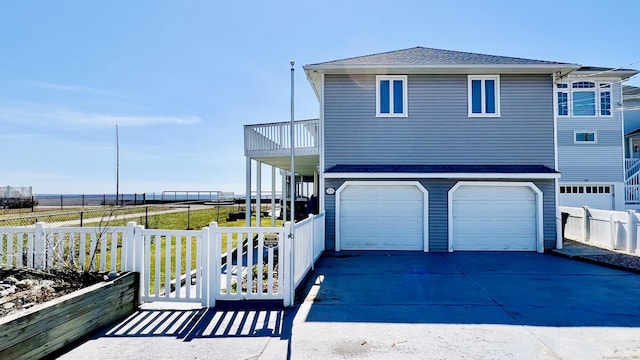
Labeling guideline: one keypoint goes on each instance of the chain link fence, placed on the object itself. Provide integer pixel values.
(143, 215)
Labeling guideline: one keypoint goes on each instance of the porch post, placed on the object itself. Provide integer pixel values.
(273, 195)
(315, 183)
(247, 200)
(258, 193)
(283, 203)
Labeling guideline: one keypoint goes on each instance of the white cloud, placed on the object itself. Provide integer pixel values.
(46, 115)
(20, 136)
(75, 88)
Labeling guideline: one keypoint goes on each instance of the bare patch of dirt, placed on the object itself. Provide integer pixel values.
(23, 288)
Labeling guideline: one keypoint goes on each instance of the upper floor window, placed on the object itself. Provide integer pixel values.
(391, 96)
(484, 95)
(584, 98)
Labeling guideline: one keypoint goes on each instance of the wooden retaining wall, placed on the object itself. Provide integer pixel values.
(47, 327)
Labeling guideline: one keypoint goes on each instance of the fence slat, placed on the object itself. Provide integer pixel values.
(178, 266)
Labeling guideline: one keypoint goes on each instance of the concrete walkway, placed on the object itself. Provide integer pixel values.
(377, 305)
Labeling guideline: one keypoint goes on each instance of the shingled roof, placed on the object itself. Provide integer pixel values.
(421, 56)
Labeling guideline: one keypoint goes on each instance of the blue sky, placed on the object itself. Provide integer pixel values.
(180, 78)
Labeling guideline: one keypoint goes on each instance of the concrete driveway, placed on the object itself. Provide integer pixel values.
(378, 305)
(467, 305)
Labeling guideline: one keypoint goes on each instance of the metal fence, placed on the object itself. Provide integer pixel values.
(146, 215)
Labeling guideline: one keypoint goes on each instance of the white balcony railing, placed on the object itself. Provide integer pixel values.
(274, 139)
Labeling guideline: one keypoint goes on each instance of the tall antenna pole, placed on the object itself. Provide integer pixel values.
(293, 159)
(117, 165)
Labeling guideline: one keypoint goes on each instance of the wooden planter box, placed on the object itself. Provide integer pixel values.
(45, 328)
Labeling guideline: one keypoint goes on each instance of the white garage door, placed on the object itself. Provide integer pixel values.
(594, 196)
(494, 218)
(379, 216)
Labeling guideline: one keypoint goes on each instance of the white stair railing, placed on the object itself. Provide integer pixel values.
(631, 166)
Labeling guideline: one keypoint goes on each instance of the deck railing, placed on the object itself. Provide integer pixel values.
(274, 139)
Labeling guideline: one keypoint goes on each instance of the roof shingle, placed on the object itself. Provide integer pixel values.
(429, 56)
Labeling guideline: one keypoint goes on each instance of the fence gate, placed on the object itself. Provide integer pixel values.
(173, 264)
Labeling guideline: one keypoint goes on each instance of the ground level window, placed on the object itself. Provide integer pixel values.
(588, 189)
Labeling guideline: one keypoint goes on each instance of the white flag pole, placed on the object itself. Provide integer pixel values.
(293, 159)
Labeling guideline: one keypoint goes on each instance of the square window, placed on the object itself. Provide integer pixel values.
(391, 96)
(484, 96)
(584, 137)
(584, 103)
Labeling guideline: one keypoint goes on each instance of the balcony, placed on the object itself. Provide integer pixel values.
(271, 144)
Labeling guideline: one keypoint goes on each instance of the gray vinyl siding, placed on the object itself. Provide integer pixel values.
(589, 162)
(438, 129)
(438, 211)
(604, 137)
(601, 162)
(632, 115)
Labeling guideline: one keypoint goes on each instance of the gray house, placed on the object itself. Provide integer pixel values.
(429, 150)
(590, 141)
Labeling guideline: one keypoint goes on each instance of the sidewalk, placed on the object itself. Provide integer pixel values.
(595, 255)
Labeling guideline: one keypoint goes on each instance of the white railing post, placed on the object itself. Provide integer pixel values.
(39, 245)
(138, 250)
(128, 246)
(631, 230)
(585, 224)
(203, 264)
(289, 243)
(312, 244)
(212, 264)
(612, 232)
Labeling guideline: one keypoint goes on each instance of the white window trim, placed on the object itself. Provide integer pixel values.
(595, 137)
(496, 78)
(565, 91)
(597, 90)
(405, 102)
(599, 100)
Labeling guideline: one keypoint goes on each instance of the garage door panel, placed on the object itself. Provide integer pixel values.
(488, 210)
(494, 193)
(381, 217)
(494, 218)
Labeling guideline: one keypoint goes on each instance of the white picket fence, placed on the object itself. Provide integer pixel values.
(215, 263)
(615, 230)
